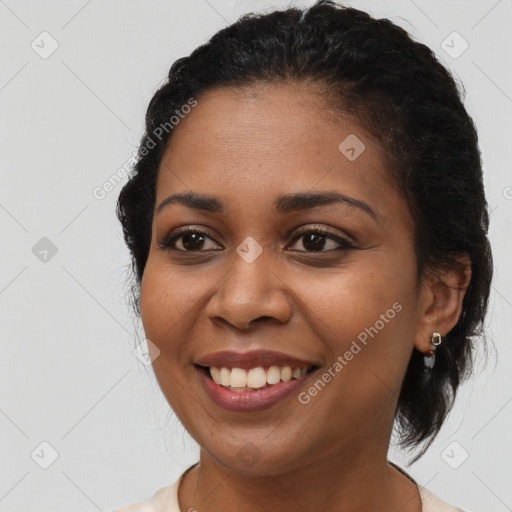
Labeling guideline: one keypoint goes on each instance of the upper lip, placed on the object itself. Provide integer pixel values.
(251, 359)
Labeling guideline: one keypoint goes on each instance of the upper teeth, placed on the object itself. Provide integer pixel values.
(255, 377)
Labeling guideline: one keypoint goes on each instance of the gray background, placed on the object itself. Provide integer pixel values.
(68, 374)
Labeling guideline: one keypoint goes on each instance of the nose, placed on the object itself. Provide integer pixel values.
(249, 292)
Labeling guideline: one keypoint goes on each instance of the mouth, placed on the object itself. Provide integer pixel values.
(247, 390)
(259, 378)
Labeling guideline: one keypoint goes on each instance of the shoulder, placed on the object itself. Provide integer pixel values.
(431, 503)
(164, 500)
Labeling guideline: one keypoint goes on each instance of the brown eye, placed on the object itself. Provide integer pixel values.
(316, 240)
(195, 240)
(190, 240)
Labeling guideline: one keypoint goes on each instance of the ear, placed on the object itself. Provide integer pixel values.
(440, 301)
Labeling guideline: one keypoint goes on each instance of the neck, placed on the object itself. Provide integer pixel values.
(342, 482)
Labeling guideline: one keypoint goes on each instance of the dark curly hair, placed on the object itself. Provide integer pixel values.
(373, 72)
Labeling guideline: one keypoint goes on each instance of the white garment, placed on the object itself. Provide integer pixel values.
(166, 500)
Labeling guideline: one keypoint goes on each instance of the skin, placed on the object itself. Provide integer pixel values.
(246, 147)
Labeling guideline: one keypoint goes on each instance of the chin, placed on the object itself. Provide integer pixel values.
(254, 460)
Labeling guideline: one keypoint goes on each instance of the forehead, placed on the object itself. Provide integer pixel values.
(257, 142)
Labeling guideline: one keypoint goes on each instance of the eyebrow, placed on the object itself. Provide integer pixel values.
(284, 204)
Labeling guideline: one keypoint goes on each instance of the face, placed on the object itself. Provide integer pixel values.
(331, 283)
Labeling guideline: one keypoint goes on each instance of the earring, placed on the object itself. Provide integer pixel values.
(430, 360)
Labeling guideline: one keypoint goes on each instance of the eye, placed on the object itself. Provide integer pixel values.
(190, 239)
(314, 240)
(195, 239)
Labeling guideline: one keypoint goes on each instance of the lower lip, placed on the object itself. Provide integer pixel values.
(248, 401)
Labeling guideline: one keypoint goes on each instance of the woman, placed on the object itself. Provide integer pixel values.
(308, 228)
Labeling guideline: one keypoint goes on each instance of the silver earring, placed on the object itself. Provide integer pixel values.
(430, 360)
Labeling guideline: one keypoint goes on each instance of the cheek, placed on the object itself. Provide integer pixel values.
(159, 303)
(170, 305)
(163, 318)
(364, 315)
(362, 318)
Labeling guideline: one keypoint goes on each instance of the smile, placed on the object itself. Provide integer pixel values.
(254, 389)
(261, 377)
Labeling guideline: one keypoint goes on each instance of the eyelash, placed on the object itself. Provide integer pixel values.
(168, 241)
